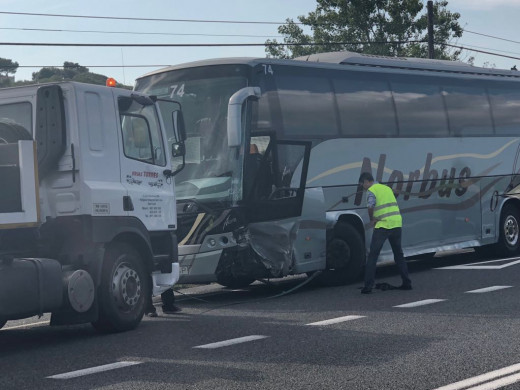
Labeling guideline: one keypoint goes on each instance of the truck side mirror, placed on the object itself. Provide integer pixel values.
(178, 149)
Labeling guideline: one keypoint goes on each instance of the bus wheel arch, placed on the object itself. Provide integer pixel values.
(509, 228)
(345, 253)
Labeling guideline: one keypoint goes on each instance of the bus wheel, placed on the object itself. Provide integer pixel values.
(345, 257)
(509, 237)
(124, 289)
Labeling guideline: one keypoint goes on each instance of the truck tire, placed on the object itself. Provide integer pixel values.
(509, 233)
(11, 133)
(345, 256)
(124, 289)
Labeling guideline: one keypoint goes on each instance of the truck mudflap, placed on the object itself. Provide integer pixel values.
(29, 287)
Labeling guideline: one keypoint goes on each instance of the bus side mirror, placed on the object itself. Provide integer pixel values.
(234, 122)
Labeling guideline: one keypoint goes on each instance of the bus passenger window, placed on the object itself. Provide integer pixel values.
(505, 104)
(307, 106)
(468, 111)
(420, 109)
(365, 107)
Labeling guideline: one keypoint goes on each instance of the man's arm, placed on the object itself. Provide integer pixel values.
(371, 203)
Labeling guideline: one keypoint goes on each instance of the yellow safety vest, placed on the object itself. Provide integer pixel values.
(386, 210)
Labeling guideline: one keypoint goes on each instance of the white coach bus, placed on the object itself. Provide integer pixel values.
(275, 149)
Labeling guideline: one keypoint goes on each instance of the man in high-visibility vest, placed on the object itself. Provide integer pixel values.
(386, 218)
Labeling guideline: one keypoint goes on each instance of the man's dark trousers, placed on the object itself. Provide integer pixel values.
(379, 237)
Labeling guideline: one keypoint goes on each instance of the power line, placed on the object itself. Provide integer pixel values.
(480, 51)
(491, 36)
(142, 19)
(85, 66)
(201, 44)
(138, 33)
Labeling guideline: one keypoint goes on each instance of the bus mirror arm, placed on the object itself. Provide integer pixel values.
(234, 122)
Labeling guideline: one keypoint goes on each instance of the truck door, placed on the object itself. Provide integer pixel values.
(274, 177)
(144, 157)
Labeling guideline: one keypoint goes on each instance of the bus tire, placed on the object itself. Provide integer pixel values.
(124, 289)
(345, 256)
(509, 234)
(11, 133)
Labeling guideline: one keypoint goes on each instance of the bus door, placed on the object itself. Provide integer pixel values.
(275, 174)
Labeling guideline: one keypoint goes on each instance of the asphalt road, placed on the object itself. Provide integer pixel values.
(266, 339)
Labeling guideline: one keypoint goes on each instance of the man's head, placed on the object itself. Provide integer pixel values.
(366, 180)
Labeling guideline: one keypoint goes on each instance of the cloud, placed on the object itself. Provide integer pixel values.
(482, 4)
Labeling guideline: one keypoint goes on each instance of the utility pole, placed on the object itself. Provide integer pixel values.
(431, 53)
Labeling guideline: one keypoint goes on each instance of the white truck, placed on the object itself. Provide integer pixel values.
(87, 204)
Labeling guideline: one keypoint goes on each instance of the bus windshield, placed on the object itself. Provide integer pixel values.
(204, 92)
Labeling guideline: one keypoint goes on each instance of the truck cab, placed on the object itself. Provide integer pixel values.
(87, 211)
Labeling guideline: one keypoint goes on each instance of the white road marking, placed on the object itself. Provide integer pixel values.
(488, 289)
(27, 325)
(226, 343)
(93, 370)
(335, 320)
(479, 265)
(486, 377)
(421, 303)
(497, 384)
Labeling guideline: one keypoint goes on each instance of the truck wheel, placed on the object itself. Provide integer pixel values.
(11, 133)
(509, 236)
(125, 286)
(345, 256)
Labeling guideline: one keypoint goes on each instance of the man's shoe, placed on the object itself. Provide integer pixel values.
(405, 287)
(366, 290)
(171, 309)
(152, 314)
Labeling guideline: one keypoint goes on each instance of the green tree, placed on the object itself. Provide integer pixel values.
(72, 71)
(363, 24)
(7, 66)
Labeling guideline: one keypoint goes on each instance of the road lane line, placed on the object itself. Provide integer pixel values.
(497, 384)
(335, 320)
(93, 370)
(421, 303)
(487, 289)
(27, 325)
(226, 343)
(464, 384)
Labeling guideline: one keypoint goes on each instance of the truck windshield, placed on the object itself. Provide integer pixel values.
(204, 92)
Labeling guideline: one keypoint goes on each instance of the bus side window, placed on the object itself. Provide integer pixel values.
(469, 112)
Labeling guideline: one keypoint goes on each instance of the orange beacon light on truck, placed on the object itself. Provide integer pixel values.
(111, 82)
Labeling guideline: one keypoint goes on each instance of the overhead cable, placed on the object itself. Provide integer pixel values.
(142, 19)
(138, 32)
(202, 44)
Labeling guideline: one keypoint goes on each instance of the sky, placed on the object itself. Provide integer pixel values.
(498, 18)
